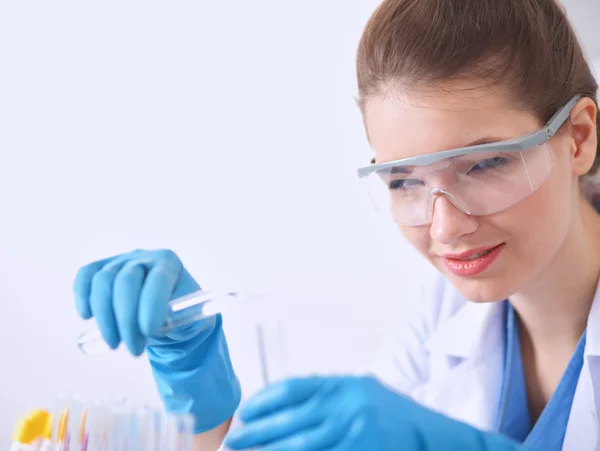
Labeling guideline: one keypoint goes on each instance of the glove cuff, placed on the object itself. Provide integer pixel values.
(197, 377)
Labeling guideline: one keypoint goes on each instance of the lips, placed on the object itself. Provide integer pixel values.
(471, 254)
(472, 262)
(480, 254)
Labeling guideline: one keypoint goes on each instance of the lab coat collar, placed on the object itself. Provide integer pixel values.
(465, 334)
(469, 388)
(593, 327)
(466, 361)
(582, 431)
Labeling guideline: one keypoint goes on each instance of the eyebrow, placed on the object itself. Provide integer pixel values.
(402, 170)
(478, 142)
(487, 140)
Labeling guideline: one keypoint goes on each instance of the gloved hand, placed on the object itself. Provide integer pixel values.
(350, 414)
(128, 296)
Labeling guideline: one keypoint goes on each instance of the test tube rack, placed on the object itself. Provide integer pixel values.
(103, 425)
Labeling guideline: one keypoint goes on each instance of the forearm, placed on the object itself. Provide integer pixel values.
(211, 440)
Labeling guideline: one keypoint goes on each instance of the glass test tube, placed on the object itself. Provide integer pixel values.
(271, 346)
(185, 432)
(158, 428)
(183, 311)
(119, 424)
(61, 423)
(143, 430)
(76, 426)
(171, 432)
(95, 428)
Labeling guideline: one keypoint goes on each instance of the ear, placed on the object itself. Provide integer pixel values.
(584, 135)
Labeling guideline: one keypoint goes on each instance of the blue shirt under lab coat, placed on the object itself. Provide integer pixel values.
(514, 421)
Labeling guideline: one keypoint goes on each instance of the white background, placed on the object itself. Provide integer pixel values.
(226, 131)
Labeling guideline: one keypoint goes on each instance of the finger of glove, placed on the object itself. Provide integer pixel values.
(82, 285)
(185, 284)
(126, 301)
(340, 405)
(274, 428)
(356, 439)
(342, 409)
(313, 439)
(305, 408)
(338, 408)
(156, 293)
(101, 304)
(280, 395)
(202, 327)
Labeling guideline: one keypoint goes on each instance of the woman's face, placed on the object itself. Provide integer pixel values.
(525, 237)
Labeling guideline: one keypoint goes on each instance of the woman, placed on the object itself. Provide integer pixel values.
(482, 116)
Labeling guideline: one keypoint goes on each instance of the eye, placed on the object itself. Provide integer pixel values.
(489, 164)
(404, 184)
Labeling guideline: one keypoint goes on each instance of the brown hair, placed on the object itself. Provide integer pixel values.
(527, 45)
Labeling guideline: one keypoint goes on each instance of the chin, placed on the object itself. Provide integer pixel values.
(481, 290)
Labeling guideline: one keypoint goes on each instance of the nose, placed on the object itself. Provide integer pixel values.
(448, 223)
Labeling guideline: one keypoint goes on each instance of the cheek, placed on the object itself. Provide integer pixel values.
(539, 224)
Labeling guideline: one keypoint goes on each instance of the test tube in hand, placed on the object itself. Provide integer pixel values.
(182, 311)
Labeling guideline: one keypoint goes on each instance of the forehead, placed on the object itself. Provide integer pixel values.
(403, 124)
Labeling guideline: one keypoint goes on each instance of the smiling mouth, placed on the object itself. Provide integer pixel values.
(477, 255)
(472, 254)
(471, 263)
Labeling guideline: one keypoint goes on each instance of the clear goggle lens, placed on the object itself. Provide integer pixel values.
(477, 183)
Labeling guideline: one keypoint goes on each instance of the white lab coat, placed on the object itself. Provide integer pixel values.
(450, 358)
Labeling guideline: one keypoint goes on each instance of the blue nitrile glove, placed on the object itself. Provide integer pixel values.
(350, 414)
(128, 295)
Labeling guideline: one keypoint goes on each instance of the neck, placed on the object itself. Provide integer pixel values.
(553, 309)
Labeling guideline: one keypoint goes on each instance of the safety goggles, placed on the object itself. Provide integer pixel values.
(478, 180)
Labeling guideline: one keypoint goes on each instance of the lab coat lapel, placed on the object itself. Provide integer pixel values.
(467, 368)
(582, 429)
(467, 361)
